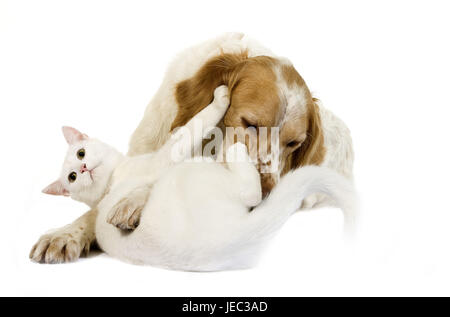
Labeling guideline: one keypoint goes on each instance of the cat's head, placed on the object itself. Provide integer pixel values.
(87, 168)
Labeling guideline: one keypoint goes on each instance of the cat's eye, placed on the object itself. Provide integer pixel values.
(81, 153)
(72, 177)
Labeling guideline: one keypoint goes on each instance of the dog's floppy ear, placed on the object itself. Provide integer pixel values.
(312, 151)
(197, 92)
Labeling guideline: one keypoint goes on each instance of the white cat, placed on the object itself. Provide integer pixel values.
(87, 168)
(198, 215)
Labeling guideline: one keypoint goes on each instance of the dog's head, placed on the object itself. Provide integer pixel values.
(264, 92)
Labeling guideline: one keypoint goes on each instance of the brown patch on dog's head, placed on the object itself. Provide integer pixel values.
(251, 82)
(197, 92)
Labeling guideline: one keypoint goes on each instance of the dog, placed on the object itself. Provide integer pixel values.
(266, 91)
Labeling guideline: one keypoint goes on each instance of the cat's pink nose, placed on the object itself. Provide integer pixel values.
(83, 169)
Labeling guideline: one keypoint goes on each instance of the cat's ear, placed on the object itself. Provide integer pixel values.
(56, 188)
(72, 135)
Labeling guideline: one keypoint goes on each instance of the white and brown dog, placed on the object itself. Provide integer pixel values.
(265, 90)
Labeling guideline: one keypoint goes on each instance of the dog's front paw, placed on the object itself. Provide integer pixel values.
(221, 97)
(127, 212)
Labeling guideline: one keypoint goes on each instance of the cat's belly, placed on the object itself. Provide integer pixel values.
(185, 224)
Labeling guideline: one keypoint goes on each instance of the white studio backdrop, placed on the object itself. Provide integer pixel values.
(380, 66)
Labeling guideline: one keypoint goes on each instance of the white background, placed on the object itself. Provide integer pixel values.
(381, 66)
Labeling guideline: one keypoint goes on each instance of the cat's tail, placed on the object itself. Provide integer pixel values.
(292, 189)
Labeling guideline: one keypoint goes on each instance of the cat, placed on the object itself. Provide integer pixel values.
(193, 216)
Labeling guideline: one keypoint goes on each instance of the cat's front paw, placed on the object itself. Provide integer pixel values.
(221, 97)
(127, 212)
(59, 247)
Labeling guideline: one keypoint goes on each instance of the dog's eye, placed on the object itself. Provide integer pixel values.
(81, 153)
(72, 177)
(293, 144)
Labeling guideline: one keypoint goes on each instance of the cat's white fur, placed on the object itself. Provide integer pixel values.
(196, 220)
(197, 217)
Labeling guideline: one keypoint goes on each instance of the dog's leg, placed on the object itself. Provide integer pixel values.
(66, 244)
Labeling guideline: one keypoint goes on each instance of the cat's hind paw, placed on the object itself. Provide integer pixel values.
(237, 152)
(251, 198)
